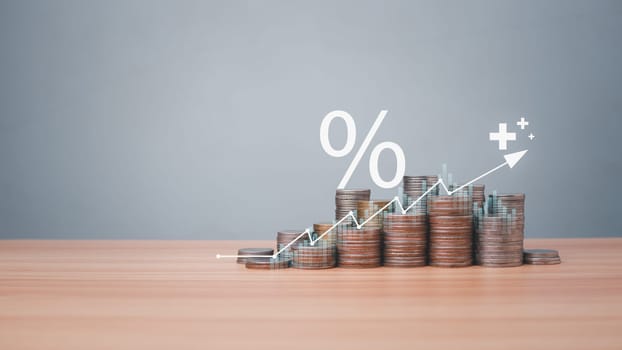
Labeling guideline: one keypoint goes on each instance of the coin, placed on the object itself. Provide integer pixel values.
(267, 263)
(253, 251)
(541, 253)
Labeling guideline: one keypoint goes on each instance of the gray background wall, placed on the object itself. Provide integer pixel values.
(180, 119)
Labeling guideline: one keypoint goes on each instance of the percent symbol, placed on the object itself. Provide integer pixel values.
(375, 153)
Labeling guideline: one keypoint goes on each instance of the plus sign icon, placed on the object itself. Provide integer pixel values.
(502, 136)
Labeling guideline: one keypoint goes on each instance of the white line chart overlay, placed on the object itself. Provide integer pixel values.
(510, 160)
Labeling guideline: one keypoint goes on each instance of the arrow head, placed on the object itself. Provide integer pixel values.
(513, 158)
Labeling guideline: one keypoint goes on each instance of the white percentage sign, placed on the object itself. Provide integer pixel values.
(375, 153)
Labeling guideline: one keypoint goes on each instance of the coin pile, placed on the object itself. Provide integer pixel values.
(321, 255)
(514, 204)
(321, 228)
(499, 241)
(267, 263)
(284, 237)
(451, 231)
(367, 209)
(541, 257)
(253, 252)
(346, 201)
(405, 240)
(415, 186)
(359, 248)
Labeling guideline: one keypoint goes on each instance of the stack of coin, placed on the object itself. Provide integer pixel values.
(368, 210)
(284, 237)
(405, 240)
(267, 263)
(359, 248)
(321, 228)
(415, 186)
(253, 252)
(321, 255)
(346, 201)
(501, 204)
(451, 231)
(478, 195)
(499, 242)
(476, 191)
(541, 257)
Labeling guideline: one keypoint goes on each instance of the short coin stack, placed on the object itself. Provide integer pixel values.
(242, 252)
(405, 240)
(347, 200)
(359, 248)
(451, 231)
(499, 241)
(541, 257)
(367, 209)
(415, 186)
(321, 255)
(267, 263)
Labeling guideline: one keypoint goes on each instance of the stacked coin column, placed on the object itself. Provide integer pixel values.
(499, 241)
(321, 255)
(284, 238)
(414, 187)
(346, 202)
(451, 231)
(500, 231)
(478, 195)
(368, 212)
(510, 203)
(359, 248)
(320, 231)
(405, 240)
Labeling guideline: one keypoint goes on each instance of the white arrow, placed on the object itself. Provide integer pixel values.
(510, 160)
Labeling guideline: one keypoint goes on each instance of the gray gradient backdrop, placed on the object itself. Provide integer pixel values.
(179, 119)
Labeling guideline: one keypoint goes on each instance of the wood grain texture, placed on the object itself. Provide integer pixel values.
(176, 295)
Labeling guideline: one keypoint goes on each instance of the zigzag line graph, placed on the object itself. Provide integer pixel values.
(510, 160)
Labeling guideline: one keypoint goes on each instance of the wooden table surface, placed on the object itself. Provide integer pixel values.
(176, 295)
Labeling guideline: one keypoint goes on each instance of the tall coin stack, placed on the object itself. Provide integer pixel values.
(366, 209)
(284, 237)
(321, 255)
(346, 201)
(451, 231)
(321, 228)
(478, 195)
(359, 248)
(476, 191)
(509, 203)
(499, 241)
(415, 186)
(405, 240)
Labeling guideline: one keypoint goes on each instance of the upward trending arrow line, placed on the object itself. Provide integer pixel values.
(510, 160)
